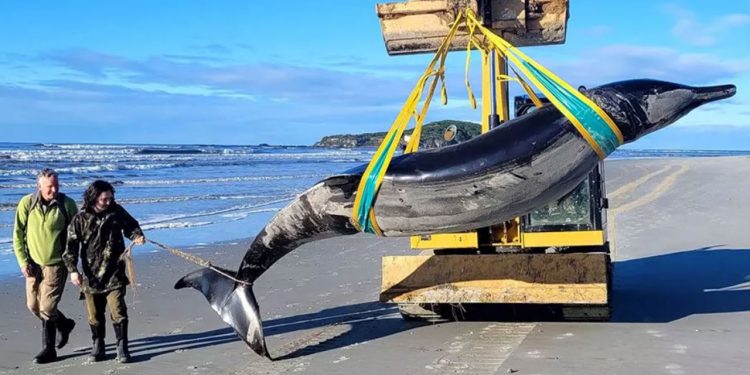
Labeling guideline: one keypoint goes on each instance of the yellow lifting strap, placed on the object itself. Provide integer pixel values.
(529, 91)
(364, 214)
(592, 123)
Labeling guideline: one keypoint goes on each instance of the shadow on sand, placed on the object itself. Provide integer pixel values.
(145, 348)
(668, 287)
(655, 289)
(331, 329)
(343, 326)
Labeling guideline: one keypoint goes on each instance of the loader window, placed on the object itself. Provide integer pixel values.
(572, 212)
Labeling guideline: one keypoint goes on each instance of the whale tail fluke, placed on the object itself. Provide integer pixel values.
(235, 303)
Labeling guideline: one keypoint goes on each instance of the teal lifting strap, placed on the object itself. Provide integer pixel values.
(592, 121)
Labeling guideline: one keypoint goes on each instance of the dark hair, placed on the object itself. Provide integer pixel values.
(92, 192)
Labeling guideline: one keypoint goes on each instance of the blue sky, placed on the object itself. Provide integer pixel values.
(249, 72)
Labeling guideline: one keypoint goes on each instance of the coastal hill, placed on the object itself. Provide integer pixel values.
(432, 136)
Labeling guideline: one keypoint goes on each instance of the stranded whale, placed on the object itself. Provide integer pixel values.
(506, 172)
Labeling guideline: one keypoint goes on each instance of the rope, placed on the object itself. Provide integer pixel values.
(127, 257)
(199, 261)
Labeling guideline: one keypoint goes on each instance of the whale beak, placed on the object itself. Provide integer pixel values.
(713, 93)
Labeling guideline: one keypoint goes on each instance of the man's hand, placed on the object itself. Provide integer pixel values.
(76, 279)
(27, 270)
(140, 240)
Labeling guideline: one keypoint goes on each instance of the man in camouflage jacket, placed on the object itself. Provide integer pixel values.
(96, 234)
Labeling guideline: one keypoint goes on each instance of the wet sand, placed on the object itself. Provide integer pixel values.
(680, 301)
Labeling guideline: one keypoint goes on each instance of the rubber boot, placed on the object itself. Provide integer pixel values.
(48, 353)
(64, 327)
(121, 332)
(97, 345)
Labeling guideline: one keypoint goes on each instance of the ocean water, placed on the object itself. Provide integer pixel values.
(184, 195)
(188, 195)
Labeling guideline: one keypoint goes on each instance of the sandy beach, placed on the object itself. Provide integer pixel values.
(680, 301)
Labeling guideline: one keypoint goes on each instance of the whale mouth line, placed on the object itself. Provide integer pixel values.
(713, 93)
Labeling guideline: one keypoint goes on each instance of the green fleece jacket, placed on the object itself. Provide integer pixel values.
(40, 233)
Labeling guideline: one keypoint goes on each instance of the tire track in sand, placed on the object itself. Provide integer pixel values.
(293, 352)
(654, 194)
(629, 187)
(483, 352)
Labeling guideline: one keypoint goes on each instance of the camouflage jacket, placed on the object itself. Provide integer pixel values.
(98, 239)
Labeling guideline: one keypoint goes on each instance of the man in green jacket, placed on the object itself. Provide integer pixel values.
(39, 238)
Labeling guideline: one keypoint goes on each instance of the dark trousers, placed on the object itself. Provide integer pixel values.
(96, 303)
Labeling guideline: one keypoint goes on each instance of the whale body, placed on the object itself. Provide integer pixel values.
(507, 172)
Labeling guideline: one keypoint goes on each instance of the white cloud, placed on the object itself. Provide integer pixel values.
(619, 62)
(218, 98)
(703, 32)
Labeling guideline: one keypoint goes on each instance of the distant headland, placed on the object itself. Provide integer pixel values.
(432, 136)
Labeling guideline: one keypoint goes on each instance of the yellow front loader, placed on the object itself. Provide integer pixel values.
(556, 256)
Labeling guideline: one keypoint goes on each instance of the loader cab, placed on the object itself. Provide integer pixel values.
(580, 210)
(576, 220)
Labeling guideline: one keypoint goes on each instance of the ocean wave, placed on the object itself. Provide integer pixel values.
(91, 169)
(47, 155)
(353, 160)
(219, 179)
(78, 146)
(157, 149)
(168, 218)
(191, 198)
(11, 206)
(309, 155)
(185, 224)
(167, 151)
(85, 165)
(7, 207)
(234, 216)
(26, 163)
(4, 240)
(173, 182)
